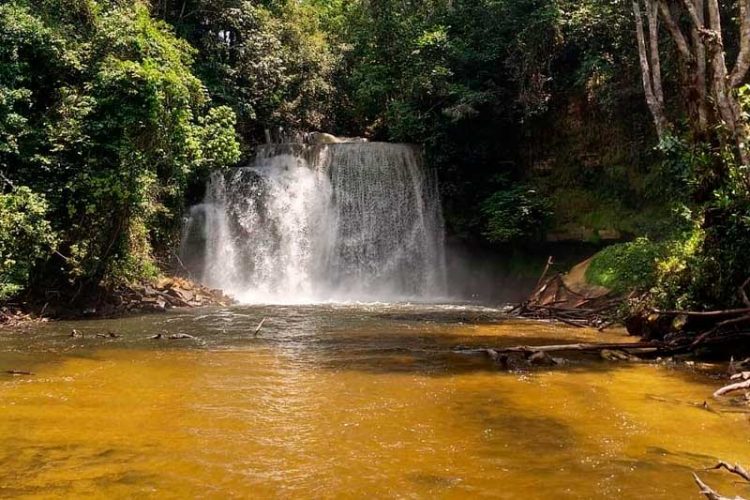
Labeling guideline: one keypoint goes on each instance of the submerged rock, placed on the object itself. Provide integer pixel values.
(180, 336)
(617, 355)
(542, 359)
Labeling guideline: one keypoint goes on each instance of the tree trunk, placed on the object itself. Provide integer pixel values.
(727, 106)
(650, 67)
(652, 15)
(742, 64)
(692, 57)
(699, 75)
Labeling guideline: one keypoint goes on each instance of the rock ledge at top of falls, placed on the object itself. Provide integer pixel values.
(325, 138)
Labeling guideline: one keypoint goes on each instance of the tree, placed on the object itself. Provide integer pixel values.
(709, 86)
(270, 61)
(102, 116)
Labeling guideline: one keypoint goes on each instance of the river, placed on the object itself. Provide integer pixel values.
(347, 401)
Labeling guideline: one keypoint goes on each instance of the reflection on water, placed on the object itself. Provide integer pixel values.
(345, 401)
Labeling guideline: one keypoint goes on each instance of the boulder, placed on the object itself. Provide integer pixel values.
(541, 358)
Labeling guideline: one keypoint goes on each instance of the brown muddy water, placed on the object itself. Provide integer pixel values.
(347, 402)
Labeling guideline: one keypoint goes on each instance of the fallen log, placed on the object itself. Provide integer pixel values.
(583, 347)
(643, 347)
(706, 314)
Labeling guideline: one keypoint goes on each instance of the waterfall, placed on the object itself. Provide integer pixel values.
(333, 222)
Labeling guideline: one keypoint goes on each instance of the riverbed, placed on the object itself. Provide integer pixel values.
(348, 401)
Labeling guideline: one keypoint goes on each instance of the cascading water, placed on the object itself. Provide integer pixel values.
(334, 222)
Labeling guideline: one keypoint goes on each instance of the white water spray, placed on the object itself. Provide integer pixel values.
(335, 222)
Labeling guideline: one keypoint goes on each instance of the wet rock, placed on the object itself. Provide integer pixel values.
(511, 362)
(183, 295)
(160, 305)
(108, 335)
(541, 359)
(180, 336)
(635, 325)
(616, 355)
(649, 326)
(76, 334)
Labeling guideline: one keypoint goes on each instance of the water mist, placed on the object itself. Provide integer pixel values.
(333, 222)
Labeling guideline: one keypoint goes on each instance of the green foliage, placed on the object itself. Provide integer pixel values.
(706, 266)
(626, 266)
(514, 214)
(25, 237)
(101, 112)
(271, 62)
(705, 259)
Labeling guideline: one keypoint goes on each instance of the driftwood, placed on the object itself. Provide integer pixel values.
(640, 346)
(180, 336)
(260, 325)
(735, 386)
(716, 326)
(537, 354)
(712, 494)
(552, 299)
(680, 331)
(709, 314)
(734, 469)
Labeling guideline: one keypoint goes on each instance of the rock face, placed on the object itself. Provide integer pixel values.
(324, 138)
(165, 294)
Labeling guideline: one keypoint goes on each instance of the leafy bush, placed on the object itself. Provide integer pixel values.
(514, 214)
(626, 266)
(25, 236)
(706, 266)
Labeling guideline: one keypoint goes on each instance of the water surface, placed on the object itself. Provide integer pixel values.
(347, 402)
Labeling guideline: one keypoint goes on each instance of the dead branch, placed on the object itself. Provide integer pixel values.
(737, 386)
(544, 273)
(709, 492)
(708, 314)
(734, 469)
(583, 347)
(570, 322)
(260, 325)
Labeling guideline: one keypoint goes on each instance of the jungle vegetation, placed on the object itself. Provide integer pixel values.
(546, 120)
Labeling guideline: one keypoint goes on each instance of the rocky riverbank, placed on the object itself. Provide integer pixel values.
(164, 294)
(158, 296)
